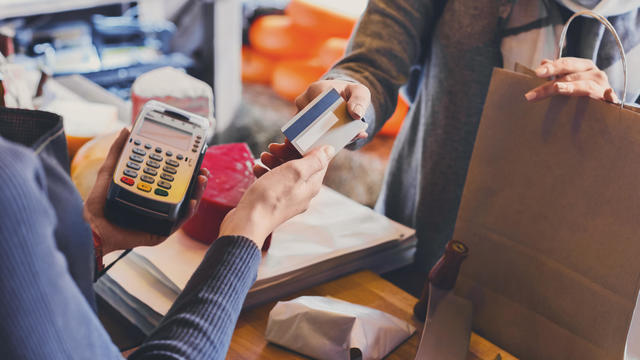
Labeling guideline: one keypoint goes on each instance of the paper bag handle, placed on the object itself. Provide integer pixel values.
(603, 20)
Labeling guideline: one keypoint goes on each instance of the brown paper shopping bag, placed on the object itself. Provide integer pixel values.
(551, 214)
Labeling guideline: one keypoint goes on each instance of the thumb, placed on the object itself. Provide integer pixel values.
(316, 161)
(358, 100)
(111, 161)
(98, 193)
(610, 96)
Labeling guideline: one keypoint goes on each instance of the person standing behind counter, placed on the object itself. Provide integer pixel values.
(47, 303)
(445, 52)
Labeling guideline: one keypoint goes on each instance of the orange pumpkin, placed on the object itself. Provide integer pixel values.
(393, 125)
(329, 18)
(256, 67)
(88, 160)
(292, 77)
(331, 51)
(279, 37)
(74, 143)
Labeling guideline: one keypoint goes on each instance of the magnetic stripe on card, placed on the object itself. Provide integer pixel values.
(311, 115)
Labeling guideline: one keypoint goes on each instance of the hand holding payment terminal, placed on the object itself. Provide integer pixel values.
(157, 170)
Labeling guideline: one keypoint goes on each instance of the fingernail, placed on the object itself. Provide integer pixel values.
(530, 95)
(329, 151)
(541, 71)
(358, 110)
(561, 86)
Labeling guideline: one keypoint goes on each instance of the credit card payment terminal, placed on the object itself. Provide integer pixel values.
(157, 170)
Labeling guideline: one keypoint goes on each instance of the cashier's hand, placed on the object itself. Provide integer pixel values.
(278, 196)
(358, 98)
(114, 237)
(573, 77)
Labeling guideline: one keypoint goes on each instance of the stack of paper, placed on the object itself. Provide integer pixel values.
(336, 236)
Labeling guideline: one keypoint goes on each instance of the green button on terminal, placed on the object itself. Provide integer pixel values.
(161, 192)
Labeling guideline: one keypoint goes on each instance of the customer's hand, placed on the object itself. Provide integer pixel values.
(278, 196)
(358, 98)
(114, 237)
(574, 77)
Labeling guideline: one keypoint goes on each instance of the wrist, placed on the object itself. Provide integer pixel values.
(251, 225)
(105, 243)
(98, 252)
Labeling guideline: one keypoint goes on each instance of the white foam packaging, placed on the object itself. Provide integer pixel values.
(328, 328)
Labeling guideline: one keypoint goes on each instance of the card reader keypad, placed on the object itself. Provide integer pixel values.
(130, 173)
(136, 158)
(150, 171)
(150, 166)
(147, 179)
(132, 165)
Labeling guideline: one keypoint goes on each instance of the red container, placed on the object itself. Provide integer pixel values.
(231, 168)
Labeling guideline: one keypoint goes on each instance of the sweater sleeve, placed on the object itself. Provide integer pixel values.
(44, 314)
(387, 41)
(200, 323)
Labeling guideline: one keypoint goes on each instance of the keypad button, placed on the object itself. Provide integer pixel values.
(170, 169)
(198, 137)
(161, 192)
(137, 142)
(173, 162)
(144, 187)
(126, 180)
(164, 184)
(132, 165)
(148, 146)
(159, 150)
(169, 153)
(195, 149)
(150, 171)
(130, 173)
(139, 151)
(156, 157)
(167, 177)
(179, 157)
(136, 158)
(153, 164)
(147, 179)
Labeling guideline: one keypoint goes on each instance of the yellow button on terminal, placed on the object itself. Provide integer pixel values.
(144, 187)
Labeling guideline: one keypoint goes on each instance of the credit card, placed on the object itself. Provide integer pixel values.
(324, 121)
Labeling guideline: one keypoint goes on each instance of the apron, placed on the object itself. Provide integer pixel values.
(43, 133)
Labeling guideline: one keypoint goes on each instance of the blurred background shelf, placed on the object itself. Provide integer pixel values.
(19, 8)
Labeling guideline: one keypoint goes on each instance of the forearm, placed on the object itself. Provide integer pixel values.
(386, 43)
(201, 321)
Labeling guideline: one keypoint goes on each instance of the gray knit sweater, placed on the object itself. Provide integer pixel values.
(446, 50)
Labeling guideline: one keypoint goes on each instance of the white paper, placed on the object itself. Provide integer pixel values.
(328, 328)
(334, 225)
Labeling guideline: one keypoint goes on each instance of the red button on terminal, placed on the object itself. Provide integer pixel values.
(126, 180)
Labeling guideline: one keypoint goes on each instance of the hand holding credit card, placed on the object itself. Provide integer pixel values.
(324, 121)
